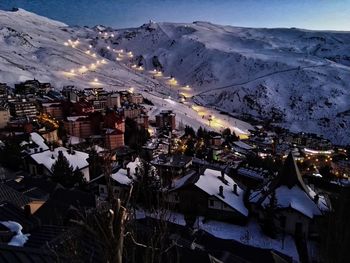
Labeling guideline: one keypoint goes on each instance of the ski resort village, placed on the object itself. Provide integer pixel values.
(114, 148)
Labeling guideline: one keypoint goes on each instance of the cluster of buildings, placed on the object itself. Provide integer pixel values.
(227, 187)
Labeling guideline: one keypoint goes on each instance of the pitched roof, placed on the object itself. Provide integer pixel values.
(77, 159)
(291, 192)
(13, 254)
(10, 212)
(56, 209)
(12, 196)
(210, 183)
(290, 174)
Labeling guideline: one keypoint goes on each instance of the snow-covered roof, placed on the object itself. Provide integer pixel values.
(19, 239)
(98, 148)
(297, 199)
(259, 174)
(210, 182)
(178, 183)
(75, 140)
(121, 176)
(39, 140)
(48, 158)
(291, 192)
(75, 118)
(243, 145)
(39, 143)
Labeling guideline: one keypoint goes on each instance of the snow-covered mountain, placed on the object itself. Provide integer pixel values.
(297, 77)
(32, 46)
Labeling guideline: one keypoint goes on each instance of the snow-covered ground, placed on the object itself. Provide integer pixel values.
(298, 78)
(35, 47)
(250, 234)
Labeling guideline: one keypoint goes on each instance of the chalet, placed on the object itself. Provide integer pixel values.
(211, 193)
(297, 207)
(170, 167)
(241, 147)
(252, 177)
(41, 163)
(120, 180)
(36, 143)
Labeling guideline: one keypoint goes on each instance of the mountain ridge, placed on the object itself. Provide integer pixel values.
(297, 78)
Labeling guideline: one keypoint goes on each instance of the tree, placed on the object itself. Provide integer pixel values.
(189, 131)
(10, 155)
(63, 172)
(61, 132)
(326, 172)
(95, 164)
(226, 132)
(135, 136)
(269, 216)
(335, 230)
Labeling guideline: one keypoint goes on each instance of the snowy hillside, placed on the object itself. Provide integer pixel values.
(297, 77)
(36, 47)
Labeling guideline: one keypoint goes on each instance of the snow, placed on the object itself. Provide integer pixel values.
(243, 145)
(39, 52)
(297, 199)
(297, 77)
(178, 183)
(99, 149)
(39, 140)
(210, 182)
(78, 160)
(19, 239)
(73, 140)
(251, 234)
(75, 118)
(121, 176)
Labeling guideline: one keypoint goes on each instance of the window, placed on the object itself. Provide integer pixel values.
(211, 202)
(102, 190)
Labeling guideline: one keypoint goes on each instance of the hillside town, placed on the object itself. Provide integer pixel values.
(76, 163)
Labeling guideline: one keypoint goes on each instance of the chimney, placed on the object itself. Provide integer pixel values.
(222, 175)
(235, 189)
(51, 148)
(221, 191)
(128, 172)
(316, 198)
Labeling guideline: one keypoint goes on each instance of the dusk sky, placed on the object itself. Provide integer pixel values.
(310, 14)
